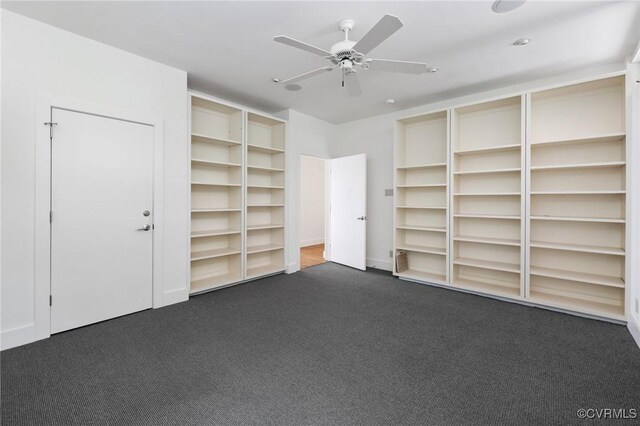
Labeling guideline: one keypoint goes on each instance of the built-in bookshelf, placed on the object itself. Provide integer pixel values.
(421, 196)
(578, 197)
(487, 192)
(265, 196)
(237, 195)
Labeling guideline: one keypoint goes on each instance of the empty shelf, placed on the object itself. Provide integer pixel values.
(487, 240)
(603, 165)
(267, 149)
(210, 254)
(486, 194)
(214, 232)
(420, 275)
(616, 251)
(259, 271)
(421, 228)
(578, 276)
(214, 210)
(264, 187)
(213, 140)
(614, 192)
(265, 205)
(422, 249)
(423, 166)
(487, 216)
(487, 264)
(263, 248)
(265, 169)
(580, 219)
(216, 184)
(431, 185)
(214, 163)
(208, 282)
(574, 304)
(266, 226)
(593, 139)
(498, 148)
(421, 207)
(496, 289)
(478, 172)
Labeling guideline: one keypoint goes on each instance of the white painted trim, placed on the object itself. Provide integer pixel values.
(312, 242)
(18, 336)
(635, 332)
(44, 104)
(636, 55)
(385, 265)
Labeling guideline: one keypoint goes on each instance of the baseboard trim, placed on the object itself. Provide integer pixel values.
(635, 331)
(174, 296)
(385, 265)
(313, 242)
(18, 336)
(292, 268)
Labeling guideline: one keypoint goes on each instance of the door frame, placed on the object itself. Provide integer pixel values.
(327, 206)
(42, 264)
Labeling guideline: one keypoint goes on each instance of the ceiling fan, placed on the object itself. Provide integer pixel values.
(349, 55)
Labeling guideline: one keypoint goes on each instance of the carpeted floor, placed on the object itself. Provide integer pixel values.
(328, 346)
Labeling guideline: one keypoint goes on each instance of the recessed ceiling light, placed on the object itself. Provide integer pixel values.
(504, 6)
(293, 87)
(275, 80)
(390, 101)
(521, 42)
(432, 69)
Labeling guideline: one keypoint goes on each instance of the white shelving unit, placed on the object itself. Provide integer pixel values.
(578, 197)
(535, 207)
(237, 195)
(487, 224)
(216, 194)
(265, 196)
(421, 196)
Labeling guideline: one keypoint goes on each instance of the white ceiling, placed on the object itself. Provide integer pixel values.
(228, 51)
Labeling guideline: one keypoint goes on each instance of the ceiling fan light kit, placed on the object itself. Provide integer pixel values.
(349, 55)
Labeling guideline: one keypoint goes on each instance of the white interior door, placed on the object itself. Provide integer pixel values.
(101, 186)
(349, 211)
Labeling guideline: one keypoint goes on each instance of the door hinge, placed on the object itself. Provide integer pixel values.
(50, 217)
(50, 124)
(50, 300)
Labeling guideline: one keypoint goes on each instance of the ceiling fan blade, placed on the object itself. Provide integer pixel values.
(301, 45)
(353, 84)
(306, 75)
(386, 26)
(397, 66)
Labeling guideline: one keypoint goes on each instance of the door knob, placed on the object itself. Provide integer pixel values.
(146, 228)
(361, 218)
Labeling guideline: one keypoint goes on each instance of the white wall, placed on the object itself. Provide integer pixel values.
(312, 203)
(306, 135)
(38, 59)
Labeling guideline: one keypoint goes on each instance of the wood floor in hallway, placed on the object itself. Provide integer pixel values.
(311, 256)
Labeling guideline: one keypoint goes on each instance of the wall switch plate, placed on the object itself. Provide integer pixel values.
(388, 192)
(391, 255)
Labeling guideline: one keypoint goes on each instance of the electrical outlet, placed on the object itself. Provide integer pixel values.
(637, 306)
(391, 255)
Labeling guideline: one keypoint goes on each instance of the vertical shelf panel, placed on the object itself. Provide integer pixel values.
(487, 181)
(265, 196)
(421, 196)
(216, 194)
(578, 201)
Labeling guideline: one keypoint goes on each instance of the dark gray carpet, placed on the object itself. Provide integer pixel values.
(329, 345)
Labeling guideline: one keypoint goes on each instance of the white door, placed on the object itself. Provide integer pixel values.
(101, 186)
(349, 211)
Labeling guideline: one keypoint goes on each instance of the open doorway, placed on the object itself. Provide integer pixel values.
(312, 211)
